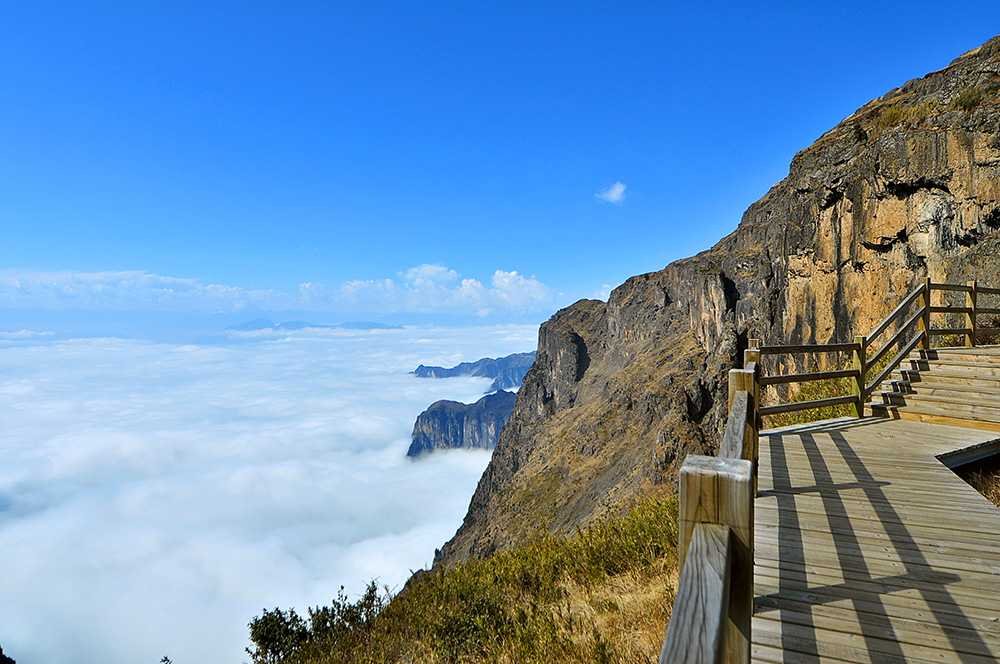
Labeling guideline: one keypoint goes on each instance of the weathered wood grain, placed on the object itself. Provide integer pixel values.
(698, 625)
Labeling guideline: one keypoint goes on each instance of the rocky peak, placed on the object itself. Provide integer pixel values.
(907, 186)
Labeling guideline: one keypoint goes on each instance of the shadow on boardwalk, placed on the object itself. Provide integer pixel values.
(863, 532)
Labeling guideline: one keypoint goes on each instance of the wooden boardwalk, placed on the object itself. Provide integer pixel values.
(869, 549)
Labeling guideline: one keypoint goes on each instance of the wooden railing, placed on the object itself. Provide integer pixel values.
(713, 606)
(714, 602)
(864, 362)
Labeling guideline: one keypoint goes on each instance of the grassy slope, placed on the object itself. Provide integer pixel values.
(602, 595)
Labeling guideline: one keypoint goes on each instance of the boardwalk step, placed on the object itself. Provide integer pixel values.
(940, 407)
(937, 366)
(943, 389)
(975, 399)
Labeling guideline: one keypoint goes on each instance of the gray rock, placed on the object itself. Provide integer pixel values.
(450, 424)
(507, 372)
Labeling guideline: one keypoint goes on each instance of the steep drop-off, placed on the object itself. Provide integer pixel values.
(450, 424)
(907, 186)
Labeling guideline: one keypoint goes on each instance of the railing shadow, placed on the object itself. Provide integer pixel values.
(864, 590)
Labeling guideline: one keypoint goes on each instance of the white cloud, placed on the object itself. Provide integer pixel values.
(613, 194)
(424, 288)
(127, 290)
(155, 497)
(24, 334)
(434, 288)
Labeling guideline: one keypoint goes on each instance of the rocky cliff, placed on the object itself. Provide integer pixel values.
(450, 424)
(907, 186)
(506, 372)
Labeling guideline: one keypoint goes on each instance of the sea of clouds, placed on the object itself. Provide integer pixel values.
(154, 497)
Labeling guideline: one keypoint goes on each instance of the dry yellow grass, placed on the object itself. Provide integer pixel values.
(986, 482)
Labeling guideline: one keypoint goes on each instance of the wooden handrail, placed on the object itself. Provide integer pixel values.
(958, 288)
(805, 377)
(806, 348)
(864, 362)
(713, 607)
(793, 406)
(887, 346)
(712, 611)
(889, 368)
(697, 630)
(907, 301)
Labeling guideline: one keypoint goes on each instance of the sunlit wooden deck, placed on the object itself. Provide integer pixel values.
(869, 549)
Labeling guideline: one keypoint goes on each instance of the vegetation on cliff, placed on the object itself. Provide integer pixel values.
(601, 595)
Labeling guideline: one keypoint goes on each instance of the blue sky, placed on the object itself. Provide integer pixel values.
(391, 158)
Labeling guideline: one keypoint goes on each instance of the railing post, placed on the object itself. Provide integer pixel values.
(924, 324)
(970, 317)
(751, 363)
(714, 490)
(860, 357)
(742, 380)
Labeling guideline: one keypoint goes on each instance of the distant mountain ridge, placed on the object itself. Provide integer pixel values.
(450, 424)
(507, 372)
(258, 324)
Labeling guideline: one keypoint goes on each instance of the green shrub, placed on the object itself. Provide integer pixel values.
(898, 114)
(968, 99)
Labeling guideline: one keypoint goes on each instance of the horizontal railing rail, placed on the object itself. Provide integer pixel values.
(892, 351)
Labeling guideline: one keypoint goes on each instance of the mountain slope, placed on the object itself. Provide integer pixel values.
(909, 185)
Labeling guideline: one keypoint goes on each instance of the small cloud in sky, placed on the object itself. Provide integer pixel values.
(613, 194)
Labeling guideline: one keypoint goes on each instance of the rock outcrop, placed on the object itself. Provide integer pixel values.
(507, 372)
(450, 424)
(907, 186)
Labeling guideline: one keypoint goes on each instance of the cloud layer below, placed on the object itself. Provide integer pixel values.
(155, 497)
(422, 289)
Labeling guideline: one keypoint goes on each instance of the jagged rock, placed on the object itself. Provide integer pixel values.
(450, 424)
(507, 372)
(908, 186)
(4, 659)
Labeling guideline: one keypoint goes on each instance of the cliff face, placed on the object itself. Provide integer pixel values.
(907, 186)
(450, 424)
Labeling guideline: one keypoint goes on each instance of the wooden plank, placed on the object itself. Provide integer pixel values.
(950, 310)
(720, 491)
(970, 314)
(884, 325)
(733, 439)
(942, 331)
(955, 288)
(859, 554)
(697, 630)
(894, 363)
(901, 413)
(924, 324)
(806, 348)
(860, 371)
(781, 379)
(805, 405)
